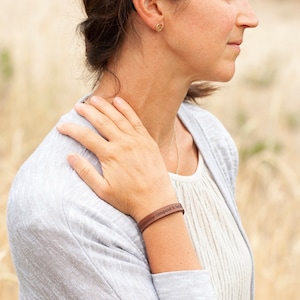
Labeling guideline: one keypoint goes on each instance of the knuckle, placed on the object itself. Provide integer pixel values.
(119, 119)
(138, 125)
(85, 133)
(84, 171)
(102, 122)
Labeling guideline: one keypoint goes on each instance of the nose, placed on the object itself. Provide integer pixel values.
(247, 17)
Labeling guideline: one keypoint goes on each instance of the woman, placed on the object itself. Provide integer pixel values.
(123, 235)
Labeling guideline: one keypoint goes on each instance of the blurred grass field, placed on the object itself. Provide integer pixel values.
(42, 76)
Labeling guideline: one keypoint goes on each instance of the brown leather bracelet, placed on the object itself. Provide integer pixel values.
(159, 214)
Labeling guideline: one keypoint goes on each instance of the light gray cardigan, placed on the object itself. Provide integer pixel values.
(66, 243)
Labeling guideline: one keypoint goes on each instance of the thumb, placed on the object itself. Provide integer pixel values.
(87, 172)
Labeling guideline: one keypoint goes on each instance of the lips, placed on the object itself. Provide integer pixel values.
(235, 43)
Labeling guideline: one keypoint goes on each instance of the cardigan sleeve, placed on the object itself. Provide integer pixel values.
(190, 285)
(87, 250)
(66, 243)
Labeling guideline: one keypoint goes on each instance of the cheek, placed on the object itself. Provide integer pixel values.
(227, 19)
(218, 21)
(201, 38)
(210, 29)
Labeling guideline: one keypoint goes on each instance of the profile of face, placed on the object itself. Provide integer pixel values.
(203, 37)
(198, 40)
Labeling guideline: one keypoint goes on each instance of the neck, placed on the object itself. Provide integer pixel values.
(151, 89)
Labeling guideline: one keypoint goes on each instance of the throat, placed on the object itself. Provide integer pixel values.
(181, 156)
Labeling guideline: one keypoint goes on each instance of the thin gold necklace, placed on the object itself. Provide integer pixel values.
(174, 137)
(177, 151)
(171, 143)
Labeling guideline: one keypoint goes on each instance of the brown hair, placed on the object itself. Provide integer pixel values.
(104, 31)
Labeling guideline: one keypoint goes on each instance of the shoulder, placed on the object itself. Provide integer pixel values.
(48, 193)
(51, 209)
(211, 126)
(206, 126)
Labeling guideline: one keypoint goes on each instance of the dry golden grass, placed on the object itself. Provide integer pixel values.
(40, 78)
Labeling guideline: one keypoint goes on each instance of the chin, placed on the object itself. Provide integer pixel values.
(226, 74)
(222, 73)
(226, 79)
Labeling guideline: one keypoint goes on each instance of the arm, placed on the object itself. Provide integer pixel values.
(67, 243)
(127, 142)
(176, 270)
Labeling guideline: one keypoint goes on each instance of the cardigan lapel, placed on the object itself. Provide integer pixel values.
(201, 140)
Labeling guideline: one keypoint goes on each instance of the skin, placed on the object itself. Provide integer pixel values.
(200, 40)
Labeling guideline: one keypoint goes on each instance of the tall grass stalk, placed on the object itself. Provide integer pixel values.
(41, 78)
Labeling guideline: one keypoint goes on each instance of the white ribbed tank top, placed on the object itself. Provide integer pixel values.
(217, 239)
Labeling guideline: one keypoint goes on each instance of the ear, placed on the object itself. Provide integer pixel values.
(150, 12)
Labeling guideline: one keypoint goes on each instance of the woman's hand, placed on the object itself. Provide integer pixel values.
(135, 179)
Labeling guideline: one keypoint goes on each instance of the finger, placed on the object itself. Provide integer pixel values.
(89, 175)
(100, 121)
(86, 137)
(110, 111)
(126, 110)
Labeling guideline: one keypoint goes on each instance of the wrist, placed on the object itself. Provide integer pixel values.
(169, 246)
(151, 206)
(159, 214)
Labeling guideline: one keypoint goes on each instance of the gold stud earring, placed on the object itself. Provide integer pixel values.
(159, 27)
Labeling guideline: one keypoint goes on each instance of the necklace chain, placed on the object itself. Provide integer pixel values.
(177, 152)
(169, 146)
(174, 138)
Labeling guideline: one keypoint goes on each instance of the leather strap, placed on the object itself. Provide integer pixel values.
(159, 214)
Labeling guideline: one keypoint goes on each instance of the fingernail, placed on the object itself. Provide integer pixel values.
(79, 104)
(95, 100)
(118, 100)
(72, 158)
(59, 126)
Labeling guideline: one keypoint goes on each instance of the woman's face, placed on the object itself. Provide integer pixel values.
(203, 37)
